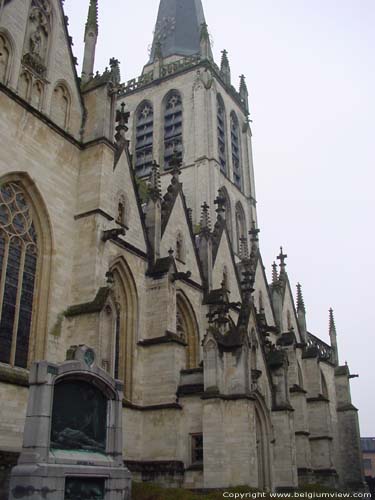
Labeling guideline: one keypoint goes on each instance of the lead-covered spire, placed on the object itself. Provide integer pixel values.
(178, 28)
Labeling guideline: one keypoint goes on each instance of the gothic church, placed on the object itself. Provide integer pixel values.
(128, 223)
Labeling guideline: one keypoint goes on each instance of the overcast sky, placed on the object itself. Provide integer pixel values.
(311, 76)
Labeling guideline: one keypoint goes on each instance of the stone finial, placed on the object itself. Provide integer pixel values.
(175, 166)
(158, 51)
(221, 205)
(204, 32)
(300, 301)
(205, 43)
(205, 222)
(275, 276)
(333, 336)
(154, 186)
(244, 249)
(282, 257)
(92, 18)
(244, 94)
(115, 70)
(225, 67)
(332, 325)
(254, 234)
(122, 118)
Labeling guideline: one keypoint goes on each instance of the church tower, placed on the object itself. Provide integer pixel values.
(184, 104)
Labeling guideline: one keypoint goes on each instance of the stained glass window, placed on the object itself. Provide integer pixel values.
(172, 128)
(236, 152)
(144, 139)
(221, 135)
(18, 265)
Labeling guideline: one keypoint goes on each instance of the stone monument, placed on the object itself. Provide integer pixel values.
(72, 448)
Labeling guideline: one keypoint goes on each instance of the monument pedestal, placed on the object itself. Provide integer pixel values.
(72, 447)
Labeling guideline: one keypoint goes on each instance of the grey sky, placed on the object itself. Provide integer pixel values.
(311, 76)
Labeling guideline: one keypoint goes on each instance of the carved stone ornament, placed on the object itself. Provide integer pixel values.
(38, 36)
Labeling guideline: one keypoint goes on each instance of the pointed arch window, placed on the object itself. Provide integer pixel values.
(186, 326)
(222, 135)
(18, 266)
(60, 107)
(228, 211)
(5, 55)
(236, 150)
(173, 144)
(144, 131)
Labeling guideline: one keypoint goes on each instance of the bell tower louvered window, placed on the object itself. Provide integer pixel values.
(144, 139)
(236, 151)
(222, 135)
(18, 266)
(172, 128)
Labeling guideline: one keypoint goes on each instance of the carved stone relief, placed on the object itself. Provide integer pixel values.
(37, 37)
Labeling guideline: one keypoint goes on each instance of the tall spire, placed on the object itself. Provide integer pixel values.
(178, 28)
(91, 37)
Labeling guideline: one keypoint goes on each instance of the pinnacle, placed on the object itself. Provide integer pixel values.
(92, 18)
(332, 325)
(224, 58)
(275, 277)
(282, 258)
(243, 86)
(300, 301)
(154, 182)
(205, 219)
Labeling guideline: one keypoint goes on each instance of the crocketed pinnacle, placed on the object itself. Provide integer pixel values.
(275, 277)
(92, 18)
(224, 60)
(300, 301)
(154, 187)
(332, 325)
(205, 222)
(243, 86)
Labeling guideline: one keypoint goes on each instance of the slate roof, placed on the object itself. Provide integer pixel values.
(178, 27)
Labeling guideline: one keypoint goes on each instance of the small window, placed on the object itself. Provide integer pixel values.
(367, 464)
(197, 449)
(121, 211)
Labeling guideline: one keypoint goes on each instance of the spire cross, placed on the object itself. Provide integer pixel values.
(282, 258)
(122, 118)
(254, 232)
(220, 202)
(205, 218)
(175, 163)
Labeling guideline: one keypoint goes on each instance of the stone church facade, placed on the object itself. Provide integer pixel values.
(128, 223)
